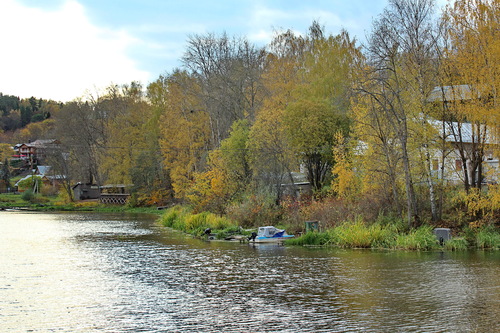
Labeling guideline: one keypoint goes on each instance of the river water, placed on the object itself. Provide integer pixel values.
(67, 272)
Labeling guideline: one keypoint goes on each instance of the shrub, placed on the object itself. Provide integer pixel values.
(63, 198)
(174, 217)
(479, 204)
(392, 220)
(28, 195)
(332, 211)
(29, 183)
(255, 211)
(49, 190)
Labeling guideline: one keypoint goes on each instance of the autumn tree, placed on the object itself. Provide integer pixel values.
(472, 72)
(228, 172)
(271, 155)
(399, 78)
(184, 128)
(6, 151)
(376, 157)
(150, 178)
(227, 73)
(82, 133)
(127, 114)
(234, 153)
(34, 131)
(63, 167)
(321, 102)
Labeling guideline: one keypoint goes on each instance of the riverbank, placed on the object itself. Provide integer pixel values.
(51, 204)
(348, 234)
(376, 236)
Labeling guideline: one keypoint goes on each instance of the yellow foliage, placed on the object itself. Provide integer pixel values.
(209, 190)
(33, 131)
(6, 152)
(184, 132)
(346, 183)
(481, 203)
(474, 54)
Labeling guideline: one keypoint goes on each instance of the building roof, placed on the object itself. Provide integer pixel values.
(452, 93)
(42, 143)
(43, 170)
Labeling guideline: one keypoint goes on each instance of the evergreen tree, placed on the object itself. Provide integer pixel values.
(5, 175)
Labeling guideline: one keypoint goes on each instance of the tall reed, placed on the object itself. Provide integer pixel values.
(488, 238)
(181, 218)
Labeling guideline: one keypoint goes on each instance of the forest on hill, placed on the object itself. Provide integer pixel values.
(16, 113)
(403, 126)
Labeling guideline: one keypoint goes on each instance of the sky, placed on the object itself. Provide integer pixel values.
(67, 49)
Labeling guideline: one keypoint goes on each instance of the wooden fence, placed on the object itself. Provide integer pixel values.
(114, 198)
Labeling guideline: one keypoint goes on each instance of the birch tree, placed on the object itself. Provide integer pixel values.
(399, 79)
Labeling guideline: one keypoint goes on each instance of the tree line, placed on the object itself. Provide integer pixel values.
(236, 120)
(16, 113)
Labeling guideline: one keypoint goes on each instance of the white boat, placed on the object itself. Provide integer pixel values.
(269, 234)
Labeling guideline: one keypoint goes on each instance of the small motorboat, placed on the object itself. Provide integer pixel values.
(269, 234)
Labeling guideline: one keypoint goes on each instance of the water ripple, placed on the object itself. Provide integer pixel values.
(117, 273)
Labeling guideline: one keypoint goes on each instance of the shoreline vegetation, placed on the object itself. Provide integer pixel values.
(57, 203)
(348, 234)
(383, 233)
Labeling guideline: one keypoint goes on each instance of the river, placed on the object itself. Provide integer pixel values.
(90, 272)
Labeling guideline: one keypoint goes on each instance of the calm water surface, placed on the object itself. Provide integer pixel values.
(123, 273)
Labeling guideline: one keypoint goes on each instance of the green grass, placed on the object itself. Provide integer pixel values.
(311, 238)
(229, 231)
(456, 244)
(54, 203)
(488, 238)
(182, 218)
(358, 234)
(417, 239)
(26, 200)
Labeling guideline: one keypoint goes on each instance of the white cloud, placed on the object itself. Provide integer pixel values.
(261, 36)
(264, 20)
(59, 54)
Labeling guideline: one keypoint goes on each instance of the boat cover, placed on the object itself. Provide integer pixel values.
(270, 231)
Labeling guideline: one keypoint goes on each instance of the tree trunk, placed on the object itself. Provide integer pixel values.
(412, 207)
(432, 192)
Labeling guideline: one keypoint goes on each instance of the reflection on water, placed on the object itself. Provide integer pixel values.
(122, 273)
